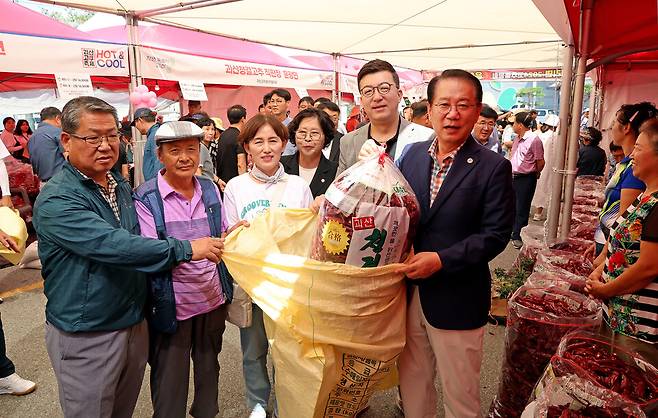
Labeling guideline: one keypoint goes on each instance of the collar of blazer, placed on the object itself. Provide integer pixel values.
(409, 133)
(465, 161)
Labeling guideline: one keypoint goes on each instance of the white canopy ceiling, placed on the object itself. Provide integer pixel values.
(419, 34)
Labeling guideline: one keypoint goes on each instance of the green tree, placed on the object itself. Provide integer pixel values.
(72, 17)
(531, 96)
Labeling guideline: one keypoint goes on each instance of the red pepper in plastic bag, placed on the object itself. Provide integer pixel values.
(607, 368)
(587, 412)
(573, 396)
(369, 216)
(538, 318)
(570, 262)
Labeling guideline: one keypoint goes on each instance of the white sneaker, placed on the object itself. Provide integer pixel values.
(16, 385)
(258, 412)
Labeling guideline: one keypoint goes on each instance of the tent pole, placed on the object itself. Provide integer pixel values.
(134, 69)
(560, 147)
(336, 91)
(576, 110)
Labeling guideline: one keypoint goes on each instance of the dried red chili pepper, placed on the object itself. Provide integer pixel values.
(563, 411)
(604, 365)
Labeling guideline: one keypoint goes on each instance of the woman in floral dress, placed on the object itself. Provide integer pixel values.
(628, 279)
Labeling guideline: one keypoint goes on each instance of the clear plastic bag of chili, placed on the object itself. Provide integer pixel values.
(608, 365)
(534, 240)
(568, 266)
(589, 183)
(572, 245)
(537, 320)
(574, 397)
(591, 210)
(595, 195)
(546, 279)
(369, 216)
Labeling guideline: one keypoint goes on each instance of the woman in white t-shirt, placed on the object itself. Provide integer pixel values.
(266, 185)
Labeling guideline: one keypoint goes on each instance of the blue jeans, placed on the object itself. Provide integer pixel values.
(254, 360)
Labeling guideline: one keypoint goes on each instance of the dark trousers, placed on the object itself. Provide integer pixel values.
(6, 366)
(200, 338)
(524, 189)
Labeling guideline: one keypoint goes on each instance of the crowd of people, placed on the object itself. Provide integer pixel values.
(134, 275)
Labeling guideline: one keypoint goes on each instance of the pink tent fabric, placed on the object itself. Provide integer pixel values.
(17, 19)
(202, 44)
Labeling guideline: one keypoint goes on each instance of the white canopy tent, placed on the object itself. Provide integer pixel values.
(418, 34)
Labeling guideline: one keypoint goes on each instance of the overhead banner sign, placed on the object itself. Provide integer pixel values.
(36, 55)
(511, 75)
(525, 74)
(74, 85)
(193, 90)
(174, 66)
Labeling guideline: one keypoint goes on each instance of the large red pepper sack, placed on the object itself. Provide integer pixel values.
(538, 318)
(369, 216)
(607, 365)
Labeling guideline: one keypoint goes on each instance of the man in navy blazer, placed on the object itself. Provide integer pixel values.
(467, 212)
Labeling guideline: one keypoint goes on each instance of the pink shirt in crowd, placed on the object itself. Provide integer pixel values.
(526, 152)
(196, 283)
(9, 139)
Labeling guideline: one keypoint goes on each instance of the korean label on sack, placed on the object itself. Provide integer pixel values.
(357, 382)
(378, 235)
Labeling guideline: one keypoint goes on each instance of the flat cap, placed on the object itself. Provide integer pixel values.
(174, 131)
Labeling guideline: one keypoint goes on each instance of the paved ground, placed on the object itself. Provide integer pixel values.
(23, 319)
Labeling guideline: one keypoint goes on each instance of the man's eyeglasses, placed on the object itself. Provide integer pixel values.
(302, 135)
(445, 108)
(97, 140)
(383, 89)
(484, 124)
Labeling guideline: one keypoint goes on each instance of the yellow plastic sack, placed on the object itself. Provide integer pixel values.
(13, 225)
(335, 330)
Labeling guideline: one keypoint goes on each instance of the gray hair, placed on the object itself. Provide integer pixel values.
(75, 108)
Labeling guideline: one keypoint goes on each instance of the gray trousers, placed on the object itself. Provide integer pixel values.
(198, 338)
(99, 374)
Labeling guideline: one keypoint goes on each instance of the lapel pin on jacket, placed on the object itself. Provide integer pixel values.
(470, 160)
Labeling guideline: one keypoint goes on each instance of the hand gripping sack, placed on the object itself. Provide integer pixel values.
(369, 216)
(14, 226)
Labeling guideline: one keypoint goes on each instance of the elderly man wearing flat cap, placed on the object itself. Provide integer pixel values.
(189, 310)
(94, 268)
